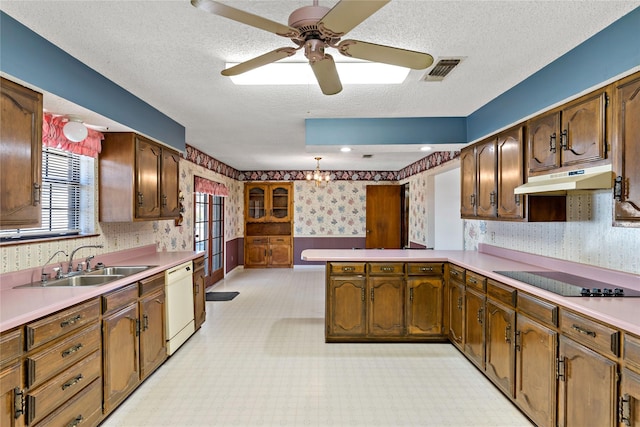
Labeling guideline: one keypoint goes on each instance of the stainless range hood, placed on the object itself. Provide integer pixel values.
(594, 178)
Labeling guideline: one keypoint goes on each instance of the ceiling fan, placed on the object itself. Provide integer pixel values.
(314, 28)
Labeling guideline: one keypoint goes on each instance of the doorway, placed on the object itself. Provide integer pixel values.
(383, 220)
(209, 234)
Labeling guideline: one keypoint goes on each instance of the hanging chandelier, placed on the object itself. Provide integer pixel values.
(318, 177)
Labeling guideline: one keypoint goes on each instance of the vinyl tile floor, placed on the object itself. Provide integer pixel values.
(261, 360)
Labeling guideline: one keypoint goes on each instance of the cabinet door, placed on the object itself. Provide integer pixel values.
(148, 158)
(500, 354)
(587, 387)
(468, 180)
(199, 296)
(544, 143)
(536, 385)
(583, 130)
(487, 194)
(385, 310)
(510, 174)
(627, 145)
(279, 198)
(153, 345)
(20, 156)
(346, 307)
(256, 250)
(255, 202)
(121, 372)
(280, 252)
(456, 314)
(474, 327)
(424, 306)
(10, 382)
(169, 203)
(629, 400)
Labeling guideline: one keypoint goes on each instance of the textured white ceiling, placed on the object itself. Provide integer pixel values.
(170, 54)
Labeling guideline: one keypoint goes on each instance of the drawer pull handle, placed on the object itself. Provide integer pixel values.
(386, 268)
(70, 321)
(472, 280)
(426, 269)
(71, 350)
(74, 381)
(480, 315)
(454, 273)
(459, 303)
(583, 331)
(348, 268)
(145, 322)
(76, 421)
(507, 333)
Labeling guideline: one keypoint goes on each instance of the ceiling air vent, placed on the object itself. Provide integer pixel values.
(367, 156)
(441, 70)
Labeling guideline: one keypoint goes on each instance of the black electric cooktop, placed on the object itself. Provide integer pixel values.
(569, 285)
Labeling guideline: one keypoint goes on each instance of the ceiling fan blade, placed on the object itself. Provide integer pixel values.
(346, 15)
(327, 75)
(246, 18)
(259, 61)
(385, 54)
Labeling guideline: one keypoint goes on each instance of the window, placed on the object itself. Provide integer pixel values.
(61, 197)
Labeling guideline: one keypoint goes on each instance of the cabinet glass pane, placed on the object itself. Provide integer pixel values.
(280, 202)
(256, 203)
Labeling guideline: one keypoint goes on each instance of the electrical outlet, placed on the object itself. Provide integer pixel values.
(493, 237)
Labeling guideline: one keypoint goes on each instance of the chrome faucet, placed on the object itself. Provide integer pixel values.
(70, 268)
(45, 276)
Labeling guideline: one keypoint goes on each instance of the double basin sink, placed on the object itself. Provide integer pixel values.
(100, 276)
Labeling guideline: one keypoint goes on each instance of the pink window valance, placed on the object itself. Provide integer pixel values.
(52, 136)
(206, 186)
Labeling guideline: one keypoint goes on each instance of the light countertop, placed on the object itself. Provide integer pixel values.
(623, 313)
(20, 306)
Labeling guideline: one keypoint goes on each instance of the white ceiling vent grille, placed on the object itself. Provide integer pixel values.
(442, 69)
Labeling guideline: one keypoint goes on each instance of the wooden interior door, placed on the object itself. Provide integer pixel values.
(384, 213)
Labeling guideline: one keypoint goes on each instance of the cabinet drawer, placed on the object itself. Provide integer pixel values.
(198, 263)
(257, 240)
(44, 399)
(46, 362)
(594, 335)
(11, 345)
(280, 240)
(151, 284)
(476, 281)
(386, 268)
(501, 292)
(84, 409)
(632, 351)
(56, 325)
(119, 298)
(456, 273)
(346, 267)
(538, 309)
(425, 268)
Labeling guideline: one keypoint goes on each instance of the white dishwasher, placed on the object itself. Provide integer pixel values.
(179, 305)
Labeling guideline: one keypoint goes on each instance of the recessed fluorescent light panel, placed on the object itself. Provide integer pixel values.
(300, 73)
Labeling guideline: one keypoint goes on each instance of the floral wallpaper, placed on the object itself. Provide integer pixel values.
(586, 237)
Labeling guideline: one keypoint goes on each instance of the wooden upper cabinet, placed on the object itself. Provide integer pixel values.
(20, 156)
(571, 135)
(468, 180)
(510, 173)
(487, 193)
(138, 179)
(268, 202)
(626, 135)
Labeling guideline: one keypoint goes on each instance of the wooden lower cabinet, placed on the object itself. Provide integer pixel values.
(536, 384)
(346, 307)
(85, 409)
(121, 373)
(385, 307)
(424, 306)
(587, 387)
(500, 351)
(199, 296)
(629, 399)
(474, 335)
(10, 391)
(268, 251)
(456, 314)
(153, 345)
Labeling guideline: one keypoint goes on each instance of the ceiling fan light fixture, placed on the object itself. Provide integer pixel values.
(74, 130)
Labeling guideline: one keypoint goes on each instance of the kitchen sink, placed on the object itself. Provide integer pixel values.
(98, 277)
(81, 280)
(125, 270)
